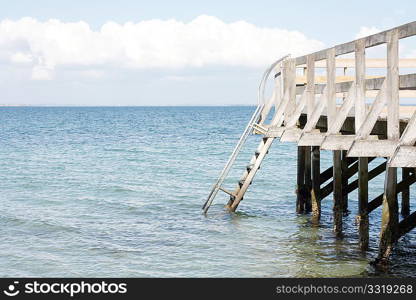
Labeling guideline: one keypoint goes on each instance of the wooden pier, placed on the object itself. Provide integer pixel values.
(359, 117)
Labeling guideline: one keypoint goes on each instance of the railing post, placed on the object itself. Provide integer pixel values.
(289, 82)
(330, 87)
(360, 115)
(390, 216)
(310, 84)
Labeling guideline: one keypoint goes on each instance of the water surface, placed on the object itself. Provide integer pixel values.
(117, 191)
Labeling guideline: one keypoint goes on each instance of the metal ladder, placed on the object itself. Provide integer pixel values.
(236, 196)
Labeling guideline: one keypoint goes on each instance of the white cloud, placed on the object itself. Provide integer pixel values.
(366, 31)
(204, 41)
(21, 58)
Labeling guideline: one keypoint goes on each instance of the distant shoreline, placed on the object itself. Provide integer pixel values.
(29, 105)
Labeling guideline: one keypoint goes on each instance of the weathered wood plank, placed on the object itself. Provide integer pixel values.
(330, 88)
(370, 120)
(370, 63)
(392, 91)
(298, 111)
(404, 31)
(315, 114)
(406, 82)
(342, 113)
(360, 86)
(405, 153)
(404, 157)
(337, 142)
(314, 138)
(310, 84)
(291, 135)
(369, 147)
(290, 85)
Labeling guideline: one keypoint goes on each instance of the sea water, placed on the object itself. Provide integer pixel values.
(118, 191)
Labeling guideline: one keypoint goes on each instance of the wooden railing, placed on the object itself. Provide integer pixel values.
(315, 95)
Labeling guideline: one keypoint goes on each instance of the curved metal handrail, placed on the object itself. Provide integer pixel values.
(266, 74)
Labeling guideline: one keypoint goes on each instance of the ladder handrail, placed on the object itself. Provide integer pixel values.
(254, 118)
(262, 88)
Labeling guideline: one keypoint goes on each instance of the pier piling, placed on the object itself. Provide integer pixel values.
(338, 198)
(362, 218)
(316, 184)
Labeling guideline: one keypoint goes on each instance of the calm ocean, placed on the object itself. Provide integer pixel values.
(117, 191)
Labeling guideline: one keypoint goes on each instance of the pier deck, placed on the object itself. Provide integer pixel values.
(352, 106)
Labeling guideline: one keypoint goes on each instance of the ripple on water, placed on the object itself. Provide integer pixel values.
(118, 192)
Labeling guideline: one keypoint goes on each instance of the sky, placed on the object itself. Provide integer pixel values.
(130, 52)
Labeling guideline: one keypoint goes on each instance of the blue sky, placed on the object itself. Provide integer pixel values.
(99, 60)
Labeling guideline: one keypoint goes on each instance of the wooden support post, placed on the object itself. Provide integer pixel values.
(345, 177)
(316, 184)
(337, 209)
(308, 179)
(390, 216)
(405, 209)
(301, 192)
(362, 218)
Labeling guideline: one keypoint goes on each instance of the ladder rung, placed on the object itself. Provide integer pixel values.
(260, 127)
(227, 192)
(249, 167)
(241, 182)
